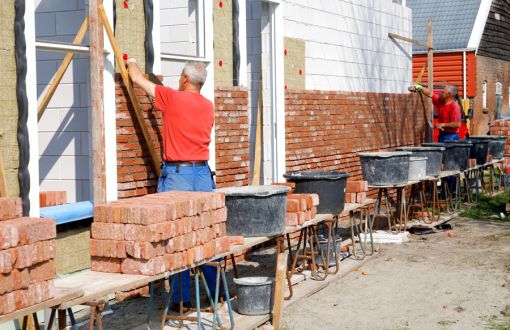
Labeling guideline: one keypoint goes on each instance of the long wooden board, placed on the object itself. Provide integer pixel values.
(156, 160)
(61, 295)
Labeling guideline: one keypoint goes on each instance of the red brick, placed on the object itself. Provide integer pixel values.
(293, 205)
(302, 201)
(152, 266)
(291, 185)
(41, 291)
(315, 199)
(199, 253)
(108, 265)
(356, 186)
(23, 231)
(7, 260)
(25, 256)
(209, 249)
(43, 272)
(145, 250)
(101, 230)
(22, 299)
(7, 303)
(15, 280)
(236, 240)
(291, 219)
(174, 261)
(10, 208)
(313, 212)
(151, 233)
(361, 197)
(126, 295)
(221, 229)
(301, 217)
(43, 250)
(219, 215)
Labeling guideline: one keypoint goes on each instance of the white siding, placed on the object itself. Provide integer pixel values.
(64, 139)
(347, 44)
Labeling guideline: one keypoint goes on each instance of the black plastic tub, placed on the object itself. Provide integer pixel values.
(254, 295)
(385, 168)
(497, 147)
(330, 186)
(456, 155)
(254, 211)
(434, 157)
(479, 150)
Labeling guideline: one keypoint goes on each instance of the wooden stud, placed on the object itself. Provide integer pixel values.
(55, 81)
(3, 178)
(412, 41)
(96, 102)
(430, 64)
(279, 288)
(257, 163)
(156, 161)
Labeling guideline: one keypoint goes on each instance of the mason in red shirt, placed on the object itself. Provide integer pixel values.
(188, 119)
(448, 111)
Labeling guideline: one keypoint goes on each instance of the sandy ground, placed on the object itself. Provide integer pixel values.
(438, 281)
(432, 282)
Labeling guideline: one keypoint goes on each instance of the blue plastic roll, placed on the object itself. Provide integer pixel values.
(69, 212)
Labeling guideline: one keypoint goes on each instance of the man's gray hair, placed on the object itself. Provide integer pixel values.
(196, 72)
(452, 89)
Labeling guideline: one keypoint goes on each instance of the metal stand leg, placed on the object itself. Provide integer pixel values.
(151, 302)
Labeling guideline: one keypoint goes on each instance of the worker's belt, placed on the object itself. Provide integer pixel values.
(182, 164)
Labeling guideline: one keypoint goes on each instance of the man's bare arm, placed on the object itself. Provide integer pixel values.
(138, 78)
(455, 124)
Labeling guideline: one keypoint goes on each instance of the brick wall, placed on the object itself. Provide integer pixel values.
(232, 137)
(326, 130)
(135, 173)
(502, 127)
(491, 70)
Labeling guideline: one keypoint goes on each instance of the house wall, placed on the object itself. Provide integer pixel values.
(64, 137)
(347, 44)
(9, 109)
(223, 43)
(326, 129)
(490, 70)
(495, 41)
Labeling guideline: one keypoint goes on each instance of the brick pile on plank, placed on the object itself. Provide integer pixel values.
(356, 192)
(301, 208)
(27, 252)
(159, 232)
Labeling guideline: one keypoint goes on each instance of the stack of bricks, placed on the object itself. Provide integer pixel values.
(356, 192)
(52, 198)
(27, 252)
(160, 232)
(301, 208)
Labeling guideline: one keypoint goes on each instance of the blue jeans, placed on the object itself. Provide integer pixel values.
(188, 178)
(448, 137)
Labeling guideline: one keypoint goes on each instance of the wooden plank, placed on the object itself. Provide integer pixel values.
(156, 160)
(3, 178)
(279, 288)
(430, 81)
(257, 163)
(61, 295)
(412, 41)
(55, 81)
(96, 103)
(423, 225)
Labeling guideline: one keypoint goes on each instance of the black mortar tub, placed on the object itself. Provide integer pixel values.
(254, 295)
(434, 157)
(330, 186)
(254, 211)
(456, 155)
(480, 149)
(497, 146)
(385, 168)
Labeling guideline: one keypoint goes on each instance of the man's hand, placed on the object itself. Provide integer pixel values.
(138, 78)
(440, 126)
(418, 87)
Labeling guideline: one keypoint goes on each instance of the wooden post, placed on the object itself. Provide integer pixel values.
(96, 103)
(430, 64)
(257, 162)
(3, 178)
(279, 288)
(156, 161)
(61, 70)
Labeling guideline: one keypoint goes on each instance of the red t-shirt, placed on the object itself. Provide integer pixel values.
(188, 119)
(447, 113)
